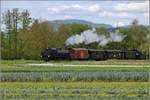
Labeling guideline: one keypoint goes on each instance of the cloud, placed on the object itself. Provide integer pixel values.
(118, 24)
(133, 6)
(59, 9)
(68, 17)
(94, 8)
(91, 8)
(77, 6)
(116, 14)
(53, 10)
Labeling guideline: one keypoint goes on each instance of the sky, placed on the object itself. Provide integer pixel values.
(115, 13)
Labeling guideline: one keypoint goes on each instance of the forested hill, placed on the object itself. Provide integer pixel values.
(77, 21)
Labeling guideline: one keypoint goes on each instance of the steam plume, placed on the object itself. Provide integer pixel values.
(90, 36)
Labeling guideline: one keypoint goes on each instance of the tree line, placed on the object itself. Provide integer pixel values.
(24, 37)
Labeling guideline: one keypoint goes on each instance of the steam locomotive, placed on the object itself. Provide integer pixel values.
(91, 54)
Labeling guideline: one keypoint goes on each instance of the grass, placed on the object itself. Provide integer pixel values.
(104, 62)
(75, 90)
(108, 65)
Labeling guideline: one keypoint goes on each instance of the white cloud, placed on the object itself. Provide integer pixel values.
(133, 6)
(58, 9)
(118, 24)
(91, 8)
(77, 6)
(68, 17)
(116, 14)
(53, 10)
(94, 8)
(88, 8)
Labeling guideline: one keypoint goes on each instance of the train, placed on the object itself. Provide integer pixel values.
(91, 54)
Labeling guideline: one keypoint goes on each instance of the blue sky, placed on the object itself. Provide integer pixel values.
(108, 12)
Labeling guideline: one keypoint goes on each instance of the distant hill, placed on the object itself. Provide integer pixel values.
(110, 28)
(70, 21)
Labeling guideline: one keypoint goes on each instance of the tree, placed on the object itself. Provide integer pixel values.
(76, 28)
(36, 39)
(25, 19)
(62, 35)
(4, 46)
(15, 19)
(102, 31)
(7, 20)
(136, 36)
(135, 22)
(114, 46)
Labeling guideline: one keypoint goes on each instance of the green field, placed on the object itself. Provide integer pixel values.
(79, 80)
(104, 62)
(75, 91)
(108, 65)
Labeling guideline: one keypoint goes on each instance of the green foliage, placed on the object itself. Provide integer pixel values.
(93, 45)
(102, 31)
(64, 31)
(36, 39)
(25, 19)
(12, 19)
(114, 46)
(76, 28)
(61, 36)
(136, 37)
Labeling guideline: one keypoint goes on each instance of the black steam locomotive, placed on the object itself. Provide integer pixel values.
(90, 54)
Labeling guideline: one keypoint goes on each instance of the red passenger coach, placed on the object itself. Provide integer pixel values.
(79, 53)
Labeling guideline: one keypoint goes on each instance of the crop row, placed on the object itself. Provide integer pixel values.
(70, 69)
(73, 76)
(74, 91)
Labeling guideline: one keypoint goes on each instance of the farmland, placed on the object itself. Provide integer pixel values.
(90, 80)
(75, 91)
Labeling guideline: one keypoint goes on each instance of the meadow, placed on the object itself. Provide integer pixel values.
(98, 80)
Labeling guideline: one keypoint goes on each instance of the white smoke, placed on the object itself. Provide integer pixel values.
(90, 36)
